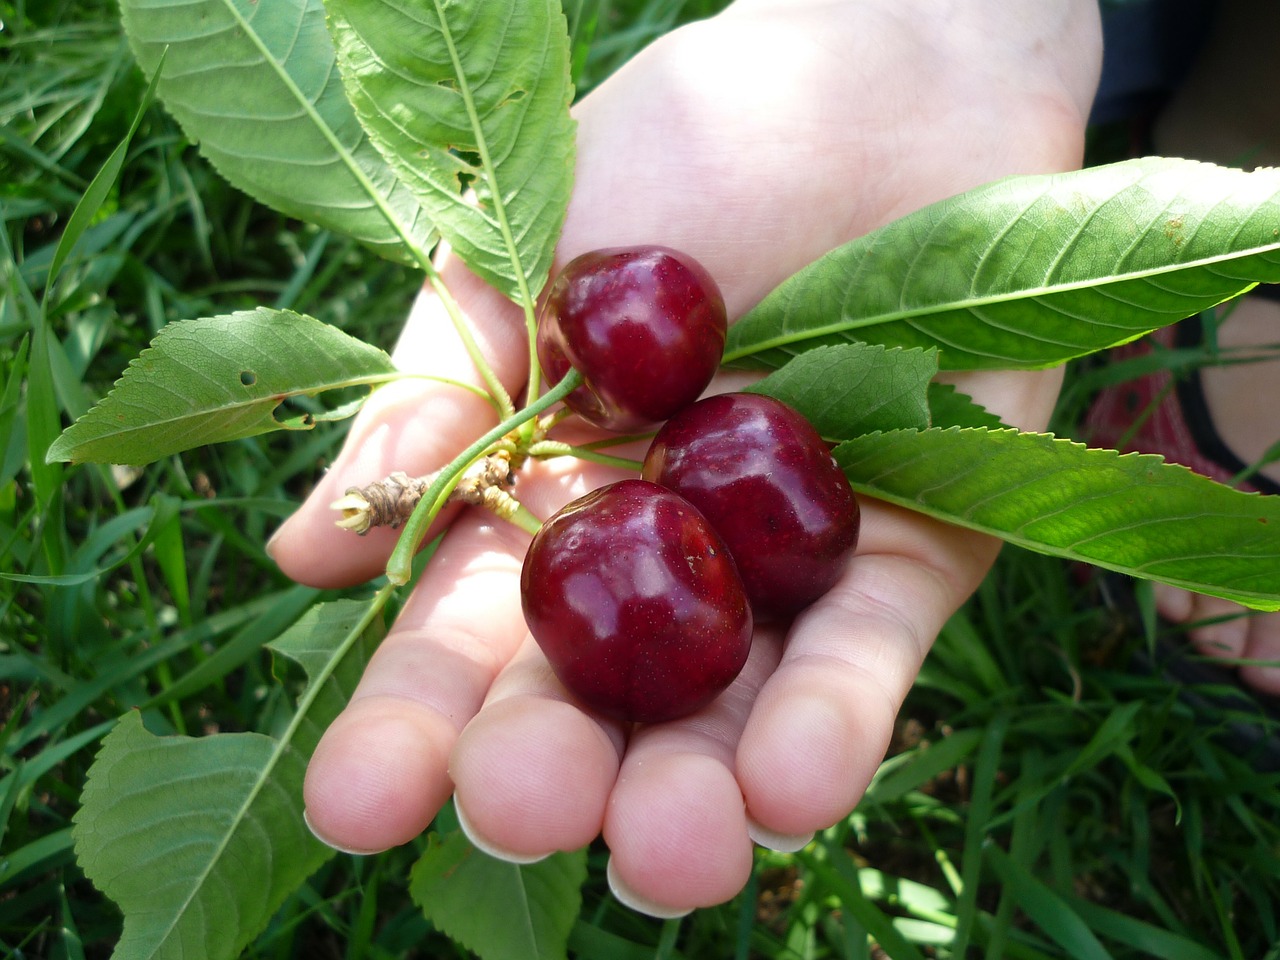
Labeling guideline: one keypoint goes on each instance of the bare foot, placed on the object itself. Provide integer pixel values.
(1226, 113)
(1248, 428)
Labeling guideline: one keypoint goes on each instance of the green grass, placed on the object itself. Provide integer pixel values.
(1048, 796)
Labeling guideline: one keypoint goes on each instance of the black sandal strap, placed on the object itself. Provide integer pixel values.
(1267, 291)
(1195, 408)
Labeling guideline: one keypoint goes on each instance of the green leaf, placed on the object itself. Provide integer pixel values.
(470, 95)
(11, 426)
(255, 85)
(1133, 513)
(856, 388)
(315, 644)
(948, 407)
(1033, 271)
(495, 909)
(1111, 737)
(41, 401)
(199, 841)
(217, 379)
(43, 418)
(232, 650)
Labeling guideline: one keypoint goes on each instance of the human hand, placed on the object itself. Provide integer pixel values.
(755, 142)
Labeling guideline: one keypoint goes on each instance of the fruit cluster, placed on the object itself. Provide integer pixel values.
(643, 594)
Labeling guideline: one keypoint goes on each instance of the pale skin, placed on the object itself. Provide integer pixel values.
(755, 142)
(1226, 112)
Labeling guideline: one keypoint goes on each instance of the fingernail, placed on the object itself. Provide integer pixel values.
(484, 846)
(629, 898)
(273, 542)
(772, 840)
(329, 843)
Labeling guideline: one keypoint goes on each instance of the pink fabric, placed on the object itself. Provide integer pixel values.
(1164, 431)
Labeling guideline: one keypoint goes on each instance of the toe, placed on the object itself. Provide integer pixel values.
(1218, 628)
(1263, 644)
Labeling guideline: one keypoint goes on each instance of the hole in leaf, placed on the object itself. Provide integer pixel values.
(303, 412)
(470, 157)
(291, 419)
(467, 167)
(248, 378)
(513, 97)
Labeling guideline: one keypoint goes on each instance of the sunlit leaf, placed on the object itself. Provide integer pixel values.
(1133, 513)
(1035, 270)
(854, 388)
(197, 841)
(256, 86)
(469, 103)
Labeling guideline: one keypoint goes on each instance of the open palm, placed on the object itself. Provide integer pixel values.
(755, 142)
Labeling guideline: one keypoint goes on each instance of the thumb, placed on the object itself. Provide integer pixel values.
(413, 425)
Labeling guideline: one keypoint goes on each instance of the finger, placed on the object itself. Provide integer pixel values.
(533, 770)
(675, 824)
(822, 722)
(380, 772)
(415, 426)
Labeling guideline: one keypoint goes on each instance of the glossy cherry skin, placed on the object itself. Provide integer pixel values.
(645, 326)
(764, 477)
(636, 603)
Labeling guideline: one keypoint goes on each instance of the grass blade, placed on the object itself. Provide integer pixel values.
(1050, 912)
(99, 188)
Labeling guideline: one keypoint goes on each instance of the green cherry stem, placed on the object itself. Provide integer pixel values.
(461, 385)
(400, 564)
(618, 440)
(525, 519)
(495, 387)
(554, 448)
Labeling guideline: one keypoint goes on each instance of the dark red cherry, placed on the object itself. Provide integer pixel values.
(760, 472)
(636, 603)
(645, 326)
